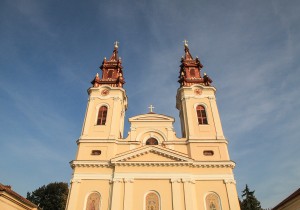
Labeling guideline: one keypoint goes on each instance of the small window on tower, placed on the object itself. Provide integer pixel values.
(201, 115)
(192, 72)
(102, 114)
(208, 152)
(96, 152)
(110, 73)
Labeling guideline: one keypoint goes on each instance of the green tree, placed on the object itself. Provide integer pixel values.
(51, 197)
(249, 201)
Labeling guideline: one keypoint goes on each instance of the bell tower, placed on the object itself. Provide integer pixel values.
(107, 102)
(196, 101)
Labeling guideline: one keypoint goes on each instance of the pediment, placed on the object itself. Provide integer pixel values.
(151, 117)
(151, 154)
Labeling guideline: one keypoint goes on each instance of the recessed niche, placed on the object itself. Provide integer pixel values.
(208, 152)
(96, 152)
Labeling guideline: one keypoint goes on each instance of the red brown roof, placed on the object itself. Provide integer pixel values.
(8, 190)
(291, 197)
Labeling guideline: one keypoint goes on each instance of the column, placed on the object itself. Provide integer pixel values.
(128, 194)
(73, 194)
(116, 199)
(177, 192)
(232, 196)
(189, 194)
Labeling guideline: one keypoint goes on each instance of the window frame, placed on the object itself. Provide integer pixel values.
(158, 196)
(102, 118)
(151, 138)
(202, 114)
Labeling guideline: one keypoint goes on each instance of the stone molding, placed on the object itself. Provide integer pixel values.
(194, 164)
(174, 178)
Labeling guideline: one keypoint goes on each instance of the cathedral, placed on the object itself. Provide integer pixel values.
(152, 168)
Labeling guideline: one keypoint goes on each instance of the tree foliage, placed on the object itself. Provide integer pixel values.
(51, 197)
(249, 201)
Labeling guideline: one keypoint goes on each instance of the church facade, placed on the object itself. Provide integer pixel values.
(152, 168)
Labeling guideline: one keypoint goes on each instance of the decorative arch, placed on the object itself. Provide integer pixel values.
(102, 115)
(152, 201)
(151, 133)
(201, 115)
(212, 201)
(93, 201)
(152, 141)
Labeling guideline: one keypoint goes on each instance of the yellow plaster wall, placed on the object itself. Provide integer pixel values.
(218, 187)
(162, 187)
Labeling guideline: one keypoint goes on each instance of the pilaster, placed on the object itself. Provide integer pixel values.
(189, 194)
(73, 196)
(128, 193)
(116, 197)
(232, 195)
(177, 192)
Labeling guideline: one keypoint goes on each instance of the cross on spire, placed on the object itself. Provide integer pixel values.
(185, 42)
(116, 44)
(151, 108)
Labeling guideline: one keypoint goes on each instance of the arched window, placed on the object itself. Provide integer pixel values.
(152, 141)
(152, 201)
(110, 73)
(102, 114)
(201, 115)
(192, 72)
(212, 202)
(93, 202)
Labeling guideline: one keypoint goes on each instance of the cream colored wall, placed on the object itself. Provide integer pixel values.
(186, 102)
(123, 187)
(81, 189)
(116, 102)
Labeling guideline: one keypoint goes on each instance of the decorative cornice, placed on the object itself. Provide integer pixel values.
(195, 164)
(152, 164)
(214, 164)
(173, 177)
(89, 164)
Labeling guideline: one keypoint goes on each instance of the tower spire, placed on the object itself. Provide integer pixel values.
(190, 70)
(112, 71)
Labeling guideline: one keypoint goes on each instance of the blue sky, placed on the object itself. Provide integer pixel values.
(51, 50)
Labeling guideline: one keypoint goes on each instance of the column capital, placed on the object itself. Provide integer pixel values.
(77, 181)
(128, 180)
(116, 180)
(229, 181)
(174, 180)
(189, 180)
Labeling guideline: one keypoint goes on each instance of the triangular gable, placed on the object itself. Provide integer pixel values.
(151, 117)
(151, 154)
